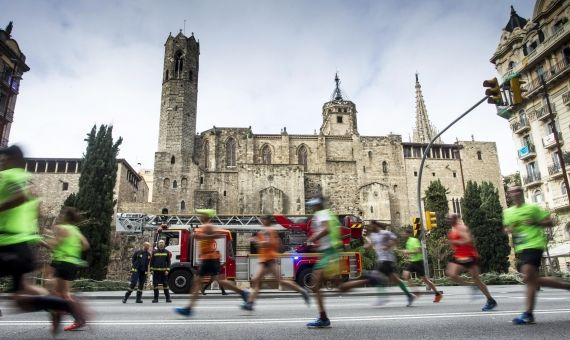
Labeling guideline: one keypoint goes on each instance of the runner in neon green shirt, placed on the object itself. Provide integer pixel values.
(416, 265)
(527, 222)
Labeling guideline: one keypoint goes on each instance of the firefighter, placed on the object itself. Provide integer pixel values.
(140, 260)
(159, 266)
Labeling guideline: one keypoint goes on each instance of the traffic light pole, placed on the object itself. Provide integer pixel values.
(419, 189)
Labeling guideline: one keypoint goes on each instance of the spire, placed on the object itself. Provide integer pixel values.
(9, 28)
(424, 130)
(515, 21)
(337, 94)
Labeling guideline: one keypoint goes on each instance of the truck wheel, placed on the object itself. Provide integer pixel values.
(180, 281)
(305, 278)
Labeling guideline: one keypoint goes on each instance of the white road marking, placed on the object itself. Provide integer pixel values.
(218, 322)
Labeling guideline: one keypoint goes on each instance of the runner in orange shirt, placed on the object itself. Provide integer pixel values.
(268, 244)
(206, 234)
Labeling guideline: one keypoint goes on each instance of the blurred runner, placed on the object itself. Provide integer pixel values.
(465, 258)
(327, 234)
(414, 252)
(206, 234)
(140, 262)
(66, 245)
(268, 244)
(19, 238)
(527, 222)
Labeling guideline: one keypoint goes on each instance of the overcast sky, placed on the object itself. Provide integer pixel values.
(265, 64)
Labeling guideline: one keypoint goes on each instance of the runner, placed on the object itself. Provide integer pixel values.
(19, 237)
(66, 247)
(206, 234)
(527, 223)
(416, 265)
(465, 258)
(328, 234)
(268, 244)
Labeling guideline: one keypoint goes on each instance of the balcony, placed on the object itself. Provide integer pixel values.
(549, 141)
(542, 113)
(555, 171)
(560, 202)
(532, 180)
(526, 152)
(566, 98)
(550, 74)
(548, 43)
(520, 125)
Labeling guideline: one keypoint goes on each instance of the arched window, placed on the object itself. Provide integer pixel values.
(184, 183)
(371, 209)
(302, 156)
(190, 75)
(164, 211)
(166, 183)
(511, 64)
(172, 160)
(266, 154)
(206, 154)
(479, 157)
(174, 184)
(563, 189)
(231, 152)
(178, 64)
(182, 205)
(537, 196)
(395, 187)
(166, 75)
(385, 167)
(369, 154)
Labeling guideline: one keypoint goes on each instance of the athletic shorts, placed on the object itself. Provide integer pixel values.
(209, 268)
(386, 267)
(329, 255)
(15, 261)
(269, 263)
(416, 267)
(65, 270)
(529, 256)
(467, 263)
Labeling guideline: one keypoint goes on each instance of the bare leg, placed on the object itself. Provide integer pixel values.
(453, 271)
(350, 285)
(287, 283)
(429, 284)
(228, 285)
(530, 278)
(256, 283)
(317, 279)
(407, 276)
(553, 283)
(194, 290)
(474, 272)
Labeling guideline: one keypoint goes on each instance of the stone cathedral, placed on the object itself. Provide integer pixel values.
(237, 171)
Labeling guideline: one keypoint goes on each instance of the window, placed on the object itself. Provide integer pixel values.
(433, 174)
(182, 205)
(178, 64)
(363, 168)
(184, 183)
(190, 75)
(540, 36)
(371, 209)
(206, 154)
(166, 75)
(416, 173)
(395, 188)
(64, 186)
(201, 180)
(417, 152)
(479, 155)
(302, 156)
(164, 211)
(385, 167)
(537, 197)
(231, 152)
(407, 152)
(172, 160)
(266, 154)
(563, 189)
(174, 184)
(512, 65)
(339, 119)
(224, 193)
(454, 174)
(166, 183)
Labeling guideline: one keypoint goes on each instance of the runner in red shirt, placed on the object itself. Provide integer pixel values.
(465, 258)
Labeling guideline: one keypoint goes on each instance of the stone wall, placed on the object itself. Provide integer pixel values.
(49, 188)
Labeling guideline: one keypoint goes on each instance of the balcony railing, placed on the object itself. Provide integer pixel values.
(527, 151)
(549, 141)
(566, 98)
(548, 75)
(542, 113)
(532, 179)
(520, 126)
(548, 42)
(554, 170)
(560, 202)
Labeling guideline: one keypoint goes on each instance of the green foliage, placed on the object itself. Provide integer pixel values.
(70, 201)
(482, 212)
(99, 286)
(368, 256)
(95, 197)
(436, 201)
(439, 252)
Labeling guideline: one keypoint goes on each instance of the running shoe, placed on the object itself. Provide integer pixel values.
(185, 311)
(245, 295)
(124, 300)
(491, 304)
(74, 326)
(411, 299)
(437, 298)
(247, 306)
(306, 297)
(319, 323)
(524, 319)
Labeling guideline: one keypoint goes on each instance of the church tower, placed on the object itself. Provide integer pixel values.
(177, 128)
(339, 114)
(424, 131)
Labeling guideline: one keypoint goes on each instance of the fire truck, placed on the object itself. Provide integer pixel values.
(296, 261)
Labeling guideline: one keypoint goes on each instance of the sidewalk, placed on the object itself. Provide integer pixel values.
(275, 293)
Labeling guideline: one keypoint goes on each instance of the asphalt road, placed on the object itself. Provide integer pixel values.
(458, 316)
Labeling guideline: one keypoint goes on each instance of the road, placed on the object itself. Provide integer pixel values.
(458, 316)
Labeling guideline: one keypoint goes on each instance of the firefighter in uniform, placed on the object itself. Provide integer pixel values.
(159, 266)
(140, 260)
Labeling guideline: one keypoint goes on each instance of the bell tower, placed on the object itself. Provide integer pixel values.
(339, 114)
(177, 127)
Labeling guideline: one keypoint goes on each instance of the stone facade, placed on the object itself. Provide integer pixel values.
(531, 48)
(237, 171)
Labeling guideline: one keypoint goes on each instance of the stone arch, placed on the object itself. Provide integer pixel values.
(182, 205)
(266, 154)
(178, 64)
(172, 160)
(184, 183)
(303, 156)
(174, 184)
(231, 146)
(273, 201)
(206, 154)
(385, 167)
(166, 183)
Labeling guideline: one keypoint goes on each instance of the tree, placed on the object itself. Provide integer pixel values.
(511, 180)
(70, 201)
(95, 197)
(439, 250)
(482, 212)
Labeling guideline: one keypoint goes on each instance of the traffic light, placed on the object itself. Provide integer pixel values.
(493, 91)
(416, 225)
(431, 220)
(517, 91)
